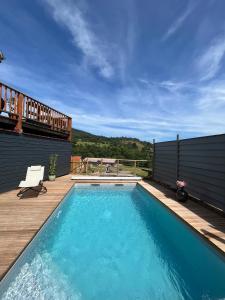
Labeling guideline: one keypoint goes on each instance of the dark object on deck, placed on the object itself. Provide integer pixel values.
(181, 195)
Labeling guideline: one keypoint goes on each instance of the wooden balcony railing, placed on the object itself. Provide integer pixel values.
(24, 111)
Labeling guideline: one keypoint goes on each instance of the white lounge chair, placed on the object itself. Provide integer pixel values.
(34, 180)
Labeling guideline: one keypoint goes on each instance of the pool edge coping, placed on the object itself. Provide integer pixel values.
(199, 233)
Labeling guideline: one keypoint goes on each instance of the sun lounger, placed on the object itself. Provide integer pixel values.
(33, 181)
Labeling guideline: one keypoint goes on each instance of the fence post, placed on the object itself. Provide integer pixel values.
(19, 124)
(135, 167)
(177, 157)
(153, 159)
(101, 164)
(117, 167)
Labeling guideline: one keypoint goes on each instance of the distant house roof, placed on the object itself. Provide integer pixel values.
(103, 160)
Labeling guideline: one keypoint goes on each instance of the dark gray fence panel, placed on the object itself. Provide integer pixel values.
(17, 152)
(165, 162)
(200, 162)
(202, 165)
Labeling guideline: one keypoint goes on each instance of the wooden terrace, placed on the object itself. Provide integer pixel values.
(21, 113)
(20, 219)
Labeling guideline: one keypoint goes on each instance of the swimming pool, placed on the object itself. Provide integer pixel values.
(115, 242)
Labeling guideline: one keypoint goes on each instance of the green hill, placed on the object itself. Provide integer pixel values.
(86, 144)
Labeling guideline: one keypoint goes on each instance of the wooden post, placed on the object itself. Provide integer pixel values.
(19, 124)
(87, 166)
(101, 166)
(135, 166)
(69, 128)
(117, 167)
(177, 157)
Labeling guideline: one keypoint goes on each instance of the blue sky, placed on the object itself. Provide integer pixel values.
(138, 68)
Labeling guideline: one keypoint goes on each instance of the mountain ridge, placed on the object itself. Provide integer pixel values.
(87, 144)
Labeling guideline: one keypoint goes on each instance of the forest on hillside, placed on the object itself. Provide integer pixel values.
(89, 145)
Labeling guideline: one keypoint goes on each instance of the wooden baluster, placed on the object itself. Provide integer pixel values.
(27, 107)
(10, 101)
(35, 114)
(60, 122)
(55, 118)
(24, 106)
(48, 117)
(50, 114)
(16, 103)
(5, 100)
(31, 109)
(56, 121)
(33, 105)
(38, 112)
(35, 111)
(41, 113)
(51, 119)
(45, 115)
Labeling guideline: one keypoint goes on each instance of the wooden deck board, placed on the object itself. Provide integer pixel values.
(208, 223)
(20, 219)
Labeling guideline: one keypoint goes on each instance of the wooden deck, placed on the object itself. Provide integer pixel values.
(210, 224)
(20, 219)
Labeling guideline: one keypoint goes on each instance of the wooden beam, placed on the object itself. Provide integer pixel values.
(69, 128)
(18, 127)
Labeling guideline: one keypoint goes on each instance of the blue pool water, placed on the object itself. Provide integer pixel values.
(115, 243)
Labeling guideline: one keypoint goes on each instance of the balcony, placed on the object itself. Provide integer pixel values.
(21, 113)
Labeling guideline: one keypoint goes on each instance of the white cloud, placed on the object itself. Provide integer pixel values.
(148, 112)
(142, 109)
(209, 63)
(94, 49)
(178, 22)
(212, 96)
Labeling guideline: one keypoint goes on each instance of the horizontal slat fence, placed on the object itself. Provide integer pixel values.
(164, 163)
(198, 161)
(19, 151)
